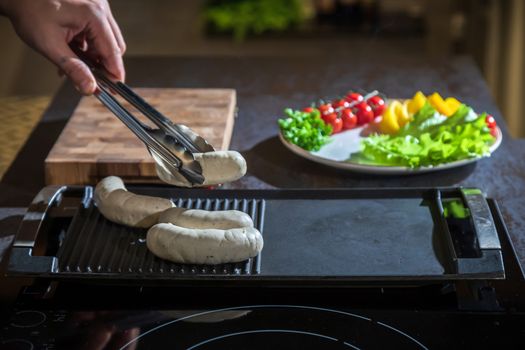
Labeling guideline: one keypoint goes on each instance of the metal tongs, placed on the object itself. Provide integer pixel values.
(172, 146)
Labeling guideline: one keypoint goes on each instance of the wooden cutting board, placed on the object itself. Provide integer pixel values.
(95, 144)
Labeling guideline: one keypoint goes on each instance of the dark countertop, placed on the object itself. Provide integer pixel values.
(265, 86)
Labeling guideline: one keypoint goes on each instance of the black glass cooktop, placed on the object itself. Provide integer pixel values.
(263, 327)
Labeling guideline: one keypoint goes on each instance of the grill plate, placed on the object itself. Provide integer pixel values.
(93, 244)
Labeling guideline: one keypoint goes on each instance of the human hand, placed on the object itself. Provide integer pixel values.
(56, 27)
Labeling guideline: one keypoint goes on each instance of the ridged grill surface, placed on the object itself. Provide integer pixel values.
(96, 246)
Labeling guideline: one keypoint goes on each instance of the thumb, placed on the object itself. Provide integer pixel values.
(79, 73)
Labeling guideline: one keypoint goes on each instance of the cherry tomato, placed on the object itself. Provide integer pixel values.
(308, 109)
(354, 97)
(494, 132)
(329, 118)
(337, 125)
(340, 103)
(326, 109)
(491, 122)
(364, 113)
(349, 119)
(378, 105)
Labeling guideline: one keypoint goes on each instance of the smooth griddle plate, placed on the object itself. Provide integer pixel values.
(310, 236)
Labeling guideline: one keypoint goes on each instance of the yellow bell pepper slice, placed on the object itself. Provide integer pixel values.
(416, 103)
(439, 104)
(389, 123)
(403, 116)
(453, 104)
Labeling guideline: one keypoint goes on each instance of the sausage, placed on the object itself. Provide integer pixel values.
(217, 168)
(204, 219)
(119, 205)
(203, 246)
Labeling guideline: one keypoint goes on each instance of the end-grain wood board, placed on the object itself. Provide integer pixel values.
(95, 144)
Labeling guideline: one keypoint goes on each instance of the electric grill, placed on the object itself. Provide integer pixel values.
(341, 269)
(311, 237)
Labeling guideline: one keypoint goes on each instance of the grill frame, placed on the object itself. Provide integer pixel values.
(33, 255)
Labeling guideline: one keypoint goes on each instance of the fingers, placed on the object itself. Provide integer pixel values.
(103, 44)
(74, 68)
(116, 31)
(118, 35)
(80, 42)
(90, 28)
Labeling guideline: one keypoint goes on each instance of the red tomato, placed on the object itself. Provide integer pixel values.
(329, 118)
(308, 109)
(378, 105)
(364, 113)
(349, 119)
(491, 122)
(354, 97)
(494, 132)
(337, 125)
(326, 109)
(340, 103)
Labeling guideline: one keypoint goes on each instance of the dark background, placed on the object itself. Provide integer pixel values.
(490, 31)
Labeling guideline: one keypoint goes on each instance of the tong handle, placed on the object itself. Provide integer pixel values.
(149, 111)
(138, 102)
(168, 143)
(139, 129)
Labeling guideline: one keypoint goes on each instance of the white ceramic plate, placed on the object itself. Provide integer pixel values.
(336, 153)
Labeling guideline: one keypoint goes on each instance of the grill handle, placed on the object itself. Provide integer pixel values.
(21, 259)
(481, 218)
(35, 215)
(490, 258)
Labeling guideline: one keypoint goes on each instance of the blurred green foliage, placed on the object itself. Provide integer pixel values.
(245, 17)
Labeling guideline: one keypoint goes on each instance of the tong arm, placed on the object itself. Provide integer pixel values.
(154, 115)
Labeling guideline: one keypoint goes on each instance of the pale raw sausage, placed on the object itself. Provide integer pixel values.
(119, 205)
(203, 246)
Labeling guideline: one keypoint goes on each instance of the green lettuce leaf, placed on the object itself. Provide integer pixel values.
(430, 139)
